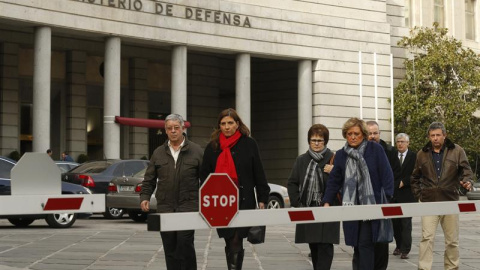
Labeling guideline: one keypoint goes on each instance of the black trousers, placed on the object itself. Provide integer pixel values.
(402, 232)
(381, 256)
(179, 250)
(322, 255)
(364, 253)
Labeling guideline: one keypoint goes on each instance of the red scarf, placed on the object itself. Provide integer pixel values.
(225, 161)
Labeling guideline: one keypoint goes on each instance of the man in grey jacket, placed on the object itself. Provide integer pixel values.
(174, 171)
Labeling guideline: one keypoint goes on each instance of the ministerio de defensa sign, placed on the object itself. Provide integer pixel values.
(172, 10)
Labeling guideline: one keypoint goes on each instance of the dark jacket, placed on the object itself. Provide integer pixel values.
(251, 175)
(177, 186)
(405, 194)
(455, 168)
(381, 177)
(312, 232)
(393, 160)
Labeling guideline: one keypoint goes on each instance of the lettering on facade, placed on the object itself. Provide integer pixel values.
(171, 10)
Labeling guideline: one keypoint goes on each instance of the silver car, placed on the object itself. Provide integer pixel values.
(474, 194)
(123, 193)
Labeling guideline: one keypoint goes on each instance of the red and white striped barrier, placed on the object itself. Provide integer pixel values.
(245, 218)
(48, 204)
(36, 189)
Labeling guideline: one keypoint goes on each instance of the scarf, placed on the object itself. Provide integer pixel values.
(357, 178)
(312, 187)
(225, 161)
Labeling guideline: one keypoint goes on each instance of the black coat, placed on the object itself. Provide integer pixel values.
(251, 176)
(312, 232)
(176, 183)
(405, 194)
(393, 160)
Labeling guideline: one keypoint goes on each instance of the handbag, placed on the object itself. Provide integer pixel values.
(339, 196)
(256, 234)
(385, 231)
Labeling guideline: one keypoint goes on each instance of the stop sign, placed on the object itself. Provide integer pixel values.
(218, 200)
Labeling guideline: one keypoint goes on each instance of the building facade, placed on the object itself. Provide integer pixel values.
(68, 67)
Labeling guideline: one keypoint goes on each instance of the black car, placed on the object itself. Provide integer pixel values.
(96, 175)
(63, 220)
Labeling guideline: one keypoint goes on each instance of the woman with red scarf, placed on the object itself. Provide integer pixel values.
(231, 150)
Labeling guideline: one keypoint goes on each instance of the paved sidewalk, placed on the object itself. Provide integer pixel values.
(99, 244)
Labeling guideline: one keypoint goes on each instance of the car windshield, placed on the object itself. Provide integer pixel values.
(92, 167)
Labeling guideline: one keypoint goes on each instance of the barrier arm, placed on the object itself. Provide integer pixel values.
(36, 189)
(246, 218)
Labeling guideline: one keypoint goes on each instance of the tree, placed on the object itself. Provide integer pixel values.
(442, 83)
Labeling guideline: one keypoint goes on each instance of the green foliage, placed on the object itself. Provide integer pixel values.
(442, 83)
(82, 158)
(15, 155)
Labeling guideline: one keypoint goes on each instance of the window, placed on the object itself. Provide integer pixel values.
(439, 13)
(470, 19)
(408, 13)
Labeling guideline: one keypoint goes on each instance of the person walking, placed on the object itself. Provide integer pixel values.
(174, 171)
(381, 249)
(66, 157)
(402, 227)
(306, 186)
(441, 167)
(231, 150)
(361, 170)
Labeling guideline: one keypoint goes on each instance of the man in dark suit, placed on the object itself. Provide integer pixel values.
(381, 249)
(402, 227)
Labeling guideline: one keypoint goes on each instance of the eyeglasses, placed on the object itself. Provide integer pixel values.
(402, 141)
(314, 141)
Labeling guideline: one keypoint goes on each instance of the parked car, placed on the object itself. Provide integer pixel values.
(63, 220)
(124, 193)
(66, 166)
(96, 175)
(475, 193)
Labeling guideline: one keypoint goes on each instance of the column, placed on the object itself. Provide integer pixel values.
(138, 136)
(179, 81)
(9, 99)
(242, 88)
(76, 105)
(111, 103)
(41, 88)
(305, 115)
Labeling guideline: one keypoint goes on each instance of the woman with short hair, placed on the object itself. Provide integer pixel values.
(306, 186)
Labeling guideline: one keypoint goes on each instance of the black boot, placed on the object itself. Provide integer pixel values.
(229, 261)
(235, 260)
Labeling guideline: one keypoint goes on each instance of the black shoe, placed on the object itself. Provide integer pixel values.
(404, 256)
(397, 252)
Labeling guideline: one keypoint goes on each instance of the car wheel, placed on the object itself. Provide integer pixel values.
(63, 220)
(274, 202)
(21, 222)
(138, 216)
(113, 213)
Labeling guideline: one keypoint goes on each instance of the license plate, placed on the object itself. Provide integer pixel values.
(126, 188)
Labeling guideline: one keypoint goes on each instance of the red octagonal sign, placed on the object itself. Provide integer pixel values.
(218, 200)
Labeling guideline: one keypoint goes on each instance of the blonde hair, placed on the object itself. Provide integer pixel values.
(355, 122)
